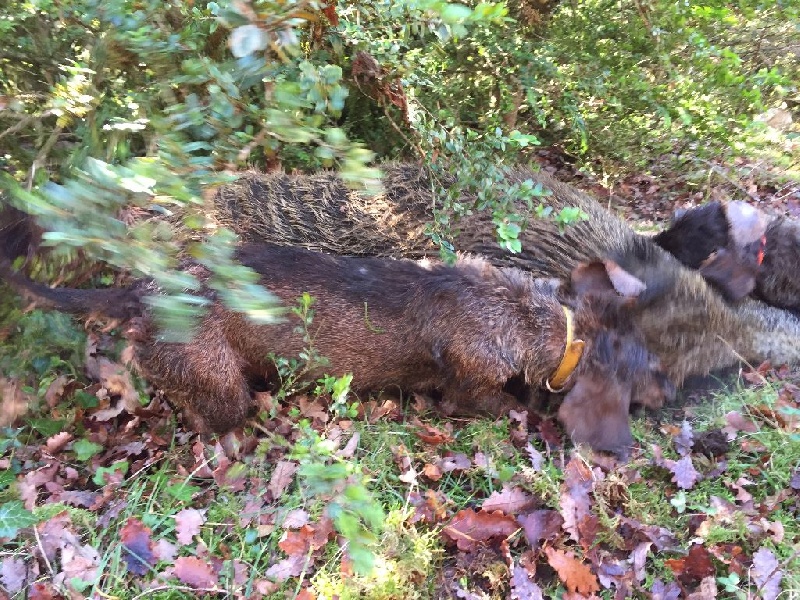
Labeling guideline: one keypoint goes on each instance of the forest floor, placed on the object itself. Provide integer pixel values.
(104, 494)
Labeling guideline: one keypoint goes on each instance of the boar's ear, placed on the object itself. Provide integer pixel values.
(733, 277)
(747, 223)
(595, 412)
(605, 276)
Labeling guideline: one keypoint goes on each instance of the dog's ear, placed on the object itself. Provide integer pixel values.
(732, 275)
(605, 276)
(595, 412)
(747, 224)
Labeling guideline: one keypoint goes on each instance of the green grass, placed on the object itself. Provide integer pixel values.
(242, 534)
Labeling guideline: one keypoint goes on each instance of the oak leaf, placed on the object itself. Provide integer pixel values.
(468, 528)
(577, 576)
(509, 501)
(188, 523)
(194, 572)
(766, 574)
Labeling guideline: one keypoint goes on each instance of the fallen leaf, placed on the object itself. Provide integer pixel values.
(794, 481)
(57, 443)
(432, 472)
(117, 380)
(55, 390)
(683, 471)
(43, 591)
(575, 502)
(430, 509)
(14, 402)
(165, 550)
(374, 412)
(541, 525)
(468, 528)
(287, 568)
(13, 574)
(295, 519)
(692, 568)
(350, 448)
(736, 422)
(577, 576)
(430, 434)
(662, 591)
(509, 501)
(707, 590)
(522, 587)
(82, 498)
(312, 409)
(137, 547)
(231, 475)
(766, 574)
(455, 462)
(536, 458)
(684, 440)
(194, 572)
(518, 427)
(638, 560)
(188, 523)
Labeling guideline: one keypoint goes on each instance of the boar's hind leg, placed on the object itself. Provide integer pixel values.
(203, 377)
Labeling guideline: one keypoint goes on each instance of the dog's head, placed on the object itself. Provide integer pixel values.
(725, 242)
(617, 369)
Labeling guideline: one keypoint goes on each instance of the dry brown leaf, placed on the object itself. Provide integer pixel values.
(577, 576)
(13, 574)
(541, 525)
(188, 523)
(194, 572)
(510, 501)
(707, 590)
(55, 390)
(432, 472)
(523, 587)
(117, 380)
(287, 568)
(282, 477)
(430, 434)
(14, 402)
(468, 528)
(575, 502)
(57, 443)
(295, 519)
(137, 547)
(766, 574)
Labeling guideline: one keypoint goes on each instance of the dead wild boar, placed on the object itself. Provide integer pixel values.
(739, 249)
(689, 327)
(463, 330)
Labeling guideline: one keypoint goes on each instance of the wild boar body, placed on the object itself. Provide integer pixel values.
(689, 327)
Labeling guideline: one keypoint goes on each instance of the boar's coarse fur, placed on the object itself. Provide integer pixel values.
(713, 234)
(690, 328)
(464, 330)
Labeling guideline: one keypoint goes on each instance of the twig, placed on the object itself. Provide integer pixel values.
(23, 122)
(721, 173)
(44, 554)
(180, 588)
(42, 155)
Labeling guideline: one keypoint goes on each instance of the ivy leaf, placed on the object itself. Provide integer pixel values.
(13, 517)
(84, 449)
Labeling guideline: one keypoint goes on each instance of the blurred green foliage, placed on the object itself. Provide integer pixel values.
(110, 105)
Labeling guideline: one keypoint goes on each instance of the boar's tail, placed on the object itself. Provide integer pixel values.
(116, 303)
